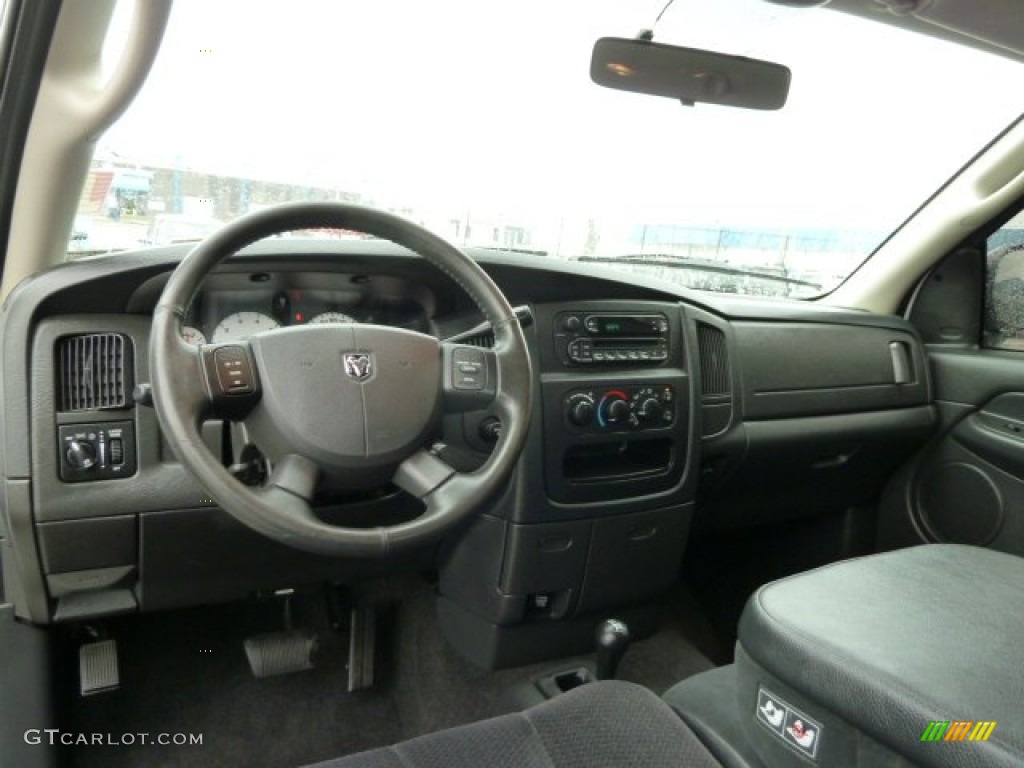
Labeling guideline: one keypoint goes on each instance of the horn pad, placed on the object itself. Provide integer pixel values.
(351, 397)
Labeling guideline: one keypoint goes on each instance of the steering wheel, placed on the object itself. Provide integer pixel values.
(357, 403)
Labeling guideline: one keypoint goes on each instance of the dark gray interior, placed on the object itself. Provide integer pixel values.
(696, 430)
(381, 501)
(676, 438)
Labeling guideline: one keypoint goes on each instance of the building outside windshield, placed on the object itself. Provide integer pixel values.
(480, 122)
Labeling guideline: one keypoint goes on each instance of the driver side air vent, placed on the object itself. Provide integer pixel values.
(95, 371)
(714, 362)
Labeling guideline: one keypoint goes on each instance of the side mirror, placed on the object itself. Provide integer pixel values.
(688, 74)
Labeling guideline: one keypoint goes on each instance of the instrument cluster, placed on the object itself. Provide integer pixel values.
(234, 315)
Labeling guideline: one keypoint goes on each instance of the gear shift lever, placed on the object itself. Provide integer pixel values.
(612, 643)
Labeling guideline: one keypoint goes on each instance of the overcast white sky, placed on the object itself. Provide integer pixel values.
(486, 105)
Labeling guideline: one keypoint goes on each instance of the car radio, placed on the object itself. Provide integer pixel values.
(588, 338)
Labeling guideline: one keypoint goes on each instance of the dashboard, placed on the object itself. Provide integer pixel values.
(658, 411)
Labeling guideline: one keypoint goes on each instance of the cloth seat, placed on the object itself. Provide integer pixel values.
(610, 724)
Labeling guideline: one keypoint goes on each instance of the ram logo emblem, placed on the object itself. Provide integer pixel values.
(358, 365)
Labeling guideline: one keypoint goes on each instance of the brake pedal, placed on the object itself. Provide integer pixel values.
(97, 667)
(281, 653)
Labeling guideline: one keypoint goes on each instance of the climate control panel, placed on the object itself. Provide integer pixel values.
(628, 407)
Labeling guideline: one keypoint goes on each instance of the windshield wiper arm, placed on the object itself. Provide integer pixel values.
(681, 262)
(504, 249)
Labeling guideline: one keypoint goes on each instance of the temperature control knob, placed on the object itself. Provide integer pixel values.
(617, 412)
(581, 411)
(649, 410)
(81, 454)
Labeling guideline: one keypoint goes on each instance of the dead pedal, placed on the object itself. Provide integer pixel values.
(97, 667)
(281, 653)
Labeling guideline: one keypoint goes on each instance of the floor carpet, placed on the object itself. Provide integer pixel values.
(186, 672)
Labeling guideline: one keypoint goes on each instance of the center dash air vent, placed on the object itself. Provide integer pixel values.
(95, 371)
(714, 361)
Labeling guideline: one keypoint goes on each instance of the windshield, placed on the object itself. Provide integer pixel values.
(480, 121)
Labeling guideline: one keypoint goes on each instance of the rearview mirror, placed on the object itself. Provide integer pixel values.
(688, 74)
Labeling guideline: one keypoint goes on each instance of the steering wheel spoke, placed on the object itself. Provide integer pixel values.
(422, 473)
(470, 377)
(296, 475)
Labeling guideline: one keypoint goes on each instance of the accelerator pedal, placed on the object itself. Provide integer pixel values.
(362, 640)
(281, 653)
(97, 667)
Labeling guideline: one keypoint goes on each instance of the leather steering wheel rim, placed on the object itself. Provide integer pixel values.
(281, 510)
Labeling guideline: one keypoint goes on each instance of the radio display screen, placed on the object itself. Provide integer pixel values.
(625, 325)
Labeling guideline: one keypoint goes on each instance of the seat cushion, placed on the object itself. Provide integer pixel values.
(612, 723)
(892, 642)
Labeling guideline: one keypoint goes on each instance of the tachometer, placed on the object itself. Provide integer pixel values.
(332, 317)
(242, 325)
(193, 336)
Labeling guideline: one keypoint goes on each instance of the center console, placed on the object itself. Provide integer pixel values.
(602, 528)
(893, 659)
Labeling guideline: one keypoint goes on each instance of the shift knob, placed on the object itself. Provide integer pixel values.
(612, 643)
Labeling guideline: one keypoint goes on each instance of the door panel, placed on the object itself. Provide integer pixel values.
(967, 485)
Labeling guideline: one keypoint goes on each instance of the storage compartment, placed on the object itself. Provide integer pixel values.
(82, 545)
(617, 459)
(802, 467)
(840, 368)
(634, 557)
(545, 558)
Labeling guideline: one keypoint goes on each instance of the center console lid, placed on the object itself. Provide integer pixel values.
(914, 653)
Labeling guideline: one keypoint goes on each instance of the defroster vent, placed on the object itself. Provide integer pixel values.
(95, 371)
(714, 361)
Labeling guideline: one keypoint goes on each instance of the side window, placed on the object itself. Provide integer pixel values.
(1004, 287)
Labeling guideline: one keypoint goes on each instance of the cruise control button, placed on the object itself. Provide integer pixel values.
(469, 371)
(233, 372)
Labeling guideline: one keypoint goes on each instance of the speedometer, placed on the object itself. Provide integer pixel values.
(242, 325)
(332, 317)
